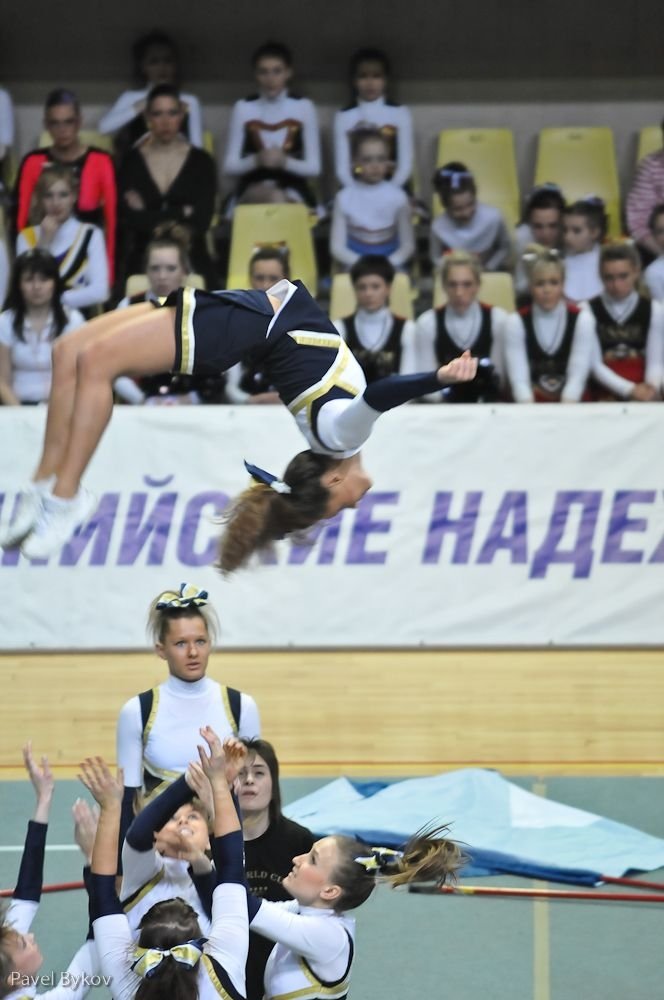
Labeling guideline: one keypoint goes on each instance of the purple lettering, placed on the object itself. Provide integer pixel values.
(204, 507)
(513, 512)
(441, 524)
(581, 554)
(620, 523)
(364, 526)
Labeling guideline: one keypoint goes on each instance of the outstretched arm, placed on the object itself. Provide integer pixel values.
(27, 893)
(345, 425)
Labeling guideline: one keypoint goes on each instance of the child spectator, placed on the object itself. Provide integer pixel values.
(654, 273)
(369, 73)
(93, 168)
(273, 141)
(77, 246)
(542, 224)
(647, 191)
(244, 383)
(371, 215)
(167, 266)
(584, 227)
(462, 324)
(156, 60)
(381, 341)
(547, 344)
(166, 179)
(34, 318)
(628, 350)
(467, 224)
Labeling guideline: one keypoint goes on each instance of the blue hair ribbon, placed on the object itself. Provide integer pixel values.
(261, 476)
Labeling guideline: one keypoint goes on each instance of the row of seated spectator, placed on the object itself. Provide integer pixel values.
(273, 150)
(549, 351)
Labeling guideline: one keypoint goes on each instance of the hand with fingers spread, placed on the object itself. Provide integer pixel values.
(105, 789)
(218, 768)
(236, 757)
(213, 763)
(42, 780)
(462, 369)
(85, 826)
(200, 786)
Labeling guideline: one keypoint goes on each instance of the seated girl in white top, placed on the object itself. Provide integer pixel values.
(35, 317)
(77, 246)
(584, 228)
(548, 345)
(541, 224)
(372, 215)
(462, 324)
(273, 145)
(369, 73)
(156, 60)
(466, 223)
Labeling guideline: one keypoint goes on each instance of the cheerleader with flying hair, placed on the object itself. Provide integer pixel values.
(303, 357)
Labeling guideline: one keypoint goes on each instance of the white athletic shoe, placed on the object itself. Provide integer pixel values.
(27, 513)
(57, 521)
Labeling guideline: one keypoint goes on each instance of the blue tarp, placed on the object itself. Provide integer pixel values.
(502, 827)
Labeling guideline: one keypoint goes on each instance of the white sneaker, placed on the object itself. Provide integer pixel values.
(56, 523)
(27, 513)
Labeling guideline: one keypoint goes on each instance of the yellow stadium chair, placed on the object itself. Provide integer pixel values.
(582, 161)
(489, 155)
(496, 289)
(138, 283)
(342, 297)
(257, 226)
(650, 141)
(208, 141)
(87, 136)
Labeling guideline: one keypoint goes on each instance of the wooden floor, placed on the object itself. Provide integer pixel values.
(390, 713)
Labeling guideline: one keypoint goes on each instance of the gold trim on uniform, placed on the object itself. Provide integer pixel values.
(152, 716)
(214, 979)
(225, 700)
(336, 992)
(332, 376)
(187, 337)
(142, 892)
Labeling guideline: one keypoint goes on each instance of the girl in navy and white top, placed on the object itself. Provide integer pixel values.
(302, 355)
(370, 72)
(77, 246)
(20, 956)
(172, 954)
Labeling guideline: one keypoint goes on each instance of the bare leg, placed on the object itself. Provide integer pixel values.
(143, 346)
(66, 351)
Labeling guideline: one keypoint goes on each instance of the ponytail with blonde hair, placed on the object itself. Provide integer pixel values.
(266, 512)
(429, 856)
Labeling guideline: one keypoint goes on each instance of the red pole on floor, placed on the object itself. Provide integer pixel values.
(56, 887)
(475, 890)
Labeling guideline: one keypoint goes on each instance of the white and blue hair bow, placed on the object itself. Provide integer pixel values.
(261, 476)
(187, 596)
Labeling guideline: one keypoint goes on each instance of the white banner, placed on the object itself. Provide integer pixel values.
(505, 525)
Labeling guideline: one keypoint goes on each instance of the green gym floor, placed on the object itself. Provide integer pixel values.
(408, 946)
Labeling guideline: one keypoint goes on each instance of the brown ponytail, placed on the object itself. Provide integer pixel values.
(260, 515)
(429, 856)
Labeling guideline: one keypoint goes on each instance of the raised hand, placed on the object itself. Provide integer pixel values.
(213, 763)
(462, 369)
(104, 788)
(85, 826)
(42, 778)
(236, 757)
(200, 786)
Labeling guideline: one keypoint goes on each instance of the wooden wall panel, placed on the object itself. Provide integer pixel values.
(395, 712)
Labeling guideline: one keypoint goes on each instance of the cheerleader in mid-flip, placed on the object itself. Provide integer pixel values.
(301, 353)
